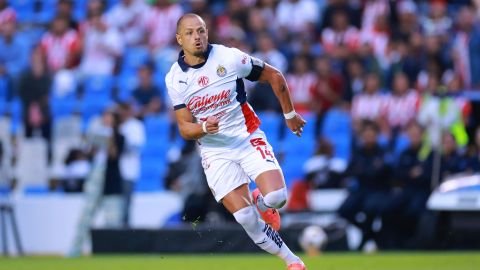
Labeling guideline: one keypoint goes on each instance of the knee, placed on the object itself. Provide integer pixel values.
(276, 199)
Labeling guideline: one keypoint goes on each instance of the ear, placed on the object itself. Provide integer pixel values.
(179, 39)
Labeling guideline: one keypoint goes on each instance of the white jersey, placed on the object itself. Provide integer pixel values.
(216, 88)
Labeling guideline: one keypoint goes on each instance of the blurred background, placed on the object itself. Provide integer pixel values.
(92, 161)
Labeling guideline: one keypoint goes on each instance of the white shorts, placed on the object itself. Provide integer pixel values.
(229, 169)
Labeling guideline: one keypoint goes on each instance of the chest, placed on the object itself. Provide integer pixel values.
(213, 86)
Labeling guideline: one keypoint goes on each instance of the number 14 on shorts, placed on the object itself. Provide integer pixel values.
(261, 146)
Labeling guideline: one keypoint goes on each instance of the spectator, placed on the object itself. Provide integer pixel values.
(353, 10)
(130, 162)
(373, 9)
(298, 16)
(65, 10)
(103, 186)
(437, 22)
(440, 113)
(34, 90)
(60, 46)
(146, 96)
(407, 205)
(323, 170)
(233, 19)
(372, 189)
(455, 91)
(300, 80)
(267, 51)
(465, 49)
(474, 153)
(161, 23)
(7, 14)
(126, 16)
(14, 53)
(369, 104)
(401, 106)
(77, 168)
(325, 93)
(452, 161)
(342, 39)
(374, 40)
(406, 11)
(267, 9)
(353, 80)
(102, 44)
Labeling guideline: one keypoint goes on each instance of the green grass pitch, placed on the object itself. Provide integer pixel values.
(328, 261)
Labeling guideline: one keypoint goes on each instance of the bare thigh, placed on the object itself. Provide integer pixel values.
(237, 199)
(270, 181)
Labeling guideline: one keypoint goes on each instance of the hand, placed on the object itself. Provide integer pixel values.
(212, 125)
(296, 124)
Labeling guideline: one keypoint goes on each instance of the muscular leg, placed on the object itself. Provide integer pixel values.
(239, 203)
(272, 186)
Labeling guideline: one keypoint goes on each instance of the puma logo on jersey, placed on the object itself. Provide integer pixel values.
(185, 82)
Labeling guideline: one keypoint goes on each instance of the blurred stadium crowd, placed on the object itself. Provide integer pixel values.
(384, 85)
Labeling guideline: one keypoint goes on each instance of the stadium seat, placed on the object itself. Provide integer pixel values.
(3, 90)
(92, 105)
(292, 167)
(98, 85)
(133, 58)
(44, 11)
(31, 173)
(401, 143)
(271, 124)
(24, 9)
(157, 127)
(152, 173)
(126, 83)
(61, 107)
(80, 9)
(336, 122)
(14, 109)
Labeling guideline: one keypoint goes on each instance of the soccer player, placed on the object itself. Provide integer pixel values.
(206, 88)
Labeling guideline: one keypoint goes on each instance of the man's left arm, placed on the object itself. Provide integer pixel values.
(277, 81)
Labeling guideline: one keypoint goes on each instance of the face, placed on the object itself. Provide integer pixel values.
(415, 135)
(144, 76)
(371, 84)
(400, 84)
(369, 136)
(449, 144)
(59, 26)
(340, 21)
(192, 36)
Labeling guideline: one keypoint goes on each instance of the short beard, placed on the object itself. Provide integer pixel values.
(199, 53)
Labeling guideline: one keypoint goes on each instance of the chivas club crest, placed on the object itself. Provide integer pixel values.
(221, 71)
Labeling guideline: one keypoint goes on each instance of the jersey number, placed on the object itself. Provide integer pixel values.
(265, 153)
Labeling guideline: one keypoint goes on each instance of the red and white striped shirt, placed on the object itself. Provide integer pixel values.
(368, 106)
(58, 49)
(7, 15)
(348, 38)
(161, 25)
(400, 110)
(300, 89)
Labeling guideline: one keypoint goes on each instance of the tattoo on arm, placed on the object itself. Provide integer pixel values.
(283, 88)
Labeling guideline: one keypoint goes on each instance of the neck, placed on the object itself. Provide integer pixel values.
(193, 60)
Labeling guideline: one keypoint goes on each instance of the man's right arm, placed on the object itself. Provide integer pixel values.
(194, 131)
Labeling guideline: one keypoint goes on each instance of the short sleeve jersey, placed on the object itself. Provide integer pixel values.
(216, 88)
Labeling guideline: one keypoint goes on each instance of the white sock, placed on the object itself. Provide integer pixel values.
(263, 235)
(275, 199)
